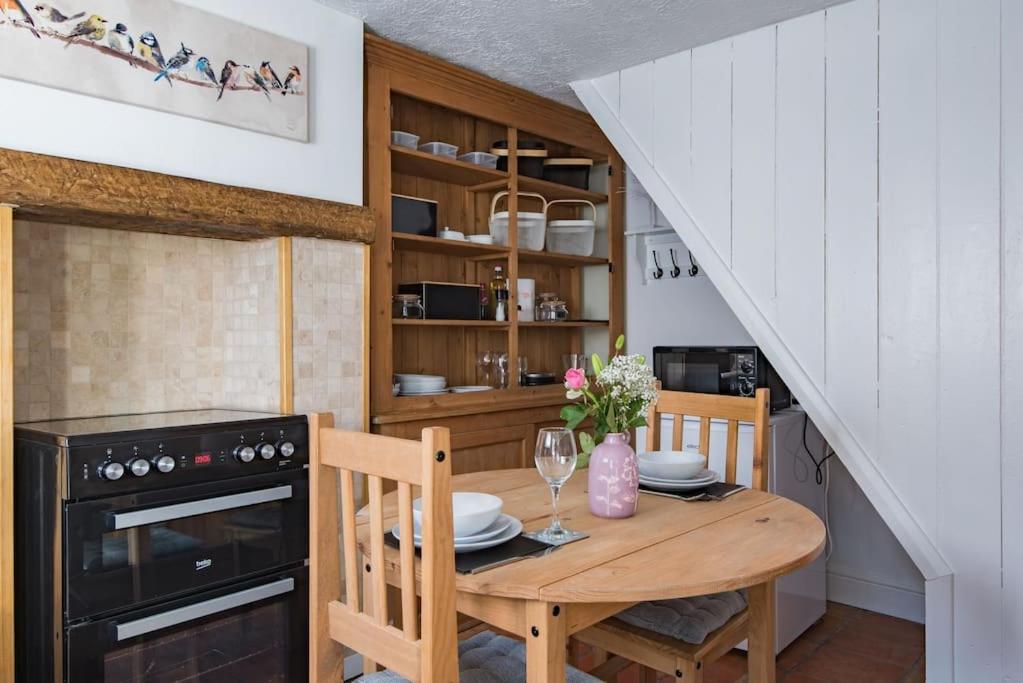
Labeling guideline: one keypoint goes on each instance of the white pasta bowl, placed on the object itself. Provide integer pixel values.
(472, 512)
(674, 465)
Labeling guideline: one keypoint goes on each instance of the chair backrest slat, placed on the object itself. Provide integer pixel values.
(406, 527)
(426, 651)
(709, 407)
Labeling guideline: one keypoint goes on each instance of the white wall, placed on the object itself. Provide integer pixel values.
(867, 568)
(58, 123)
(875, 151)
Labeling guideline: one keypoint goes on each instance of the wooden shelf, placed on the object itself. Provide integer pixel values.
(435, 245)
(446, 170)
(565, 323)
(546, 188)
(413, 322)
(552, 258)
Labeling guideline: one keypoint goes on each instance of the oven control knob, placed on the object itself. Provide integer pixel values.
(285, 448)
(746, 366)
(164, 463)
(111, 471)
(266, 450)
(139, 467)
(244, 453)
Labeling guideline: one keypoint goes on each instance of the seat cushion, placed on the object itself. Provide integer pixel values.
(687, 619)
(489, 658)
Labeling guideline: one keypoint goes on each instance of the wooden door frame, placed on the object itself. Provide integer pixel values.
(6, 443)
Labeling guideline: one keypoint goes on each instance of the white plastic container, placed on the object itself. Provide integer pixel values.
(442, 149)
(484, 159)
(574, 237)
(527, 299)
(403, 139)
(532, 225)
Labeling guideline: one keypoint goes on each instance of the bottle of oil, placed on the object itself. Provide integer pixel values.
(498, 295)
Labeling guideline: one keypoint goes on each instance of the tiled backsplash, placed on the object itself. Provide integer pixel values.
(112, 322)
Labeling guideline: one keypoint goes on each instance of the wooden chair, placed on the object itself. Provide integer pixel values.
(653, 651)
(429, 655)
(420, 650)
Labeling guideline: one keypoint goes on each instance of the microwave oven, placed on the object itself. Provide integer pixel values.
(727, 370)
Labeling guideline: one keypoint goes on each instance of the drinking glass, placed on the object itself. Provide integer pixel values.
(484, 360)
(555, 459)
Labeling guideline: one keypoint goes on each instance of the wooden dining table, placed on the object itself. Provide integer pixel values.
(668, 549)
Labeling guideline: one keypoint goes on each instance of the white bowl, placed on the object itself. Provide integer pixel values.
(451, 235)
(673, 465)
(473, 512)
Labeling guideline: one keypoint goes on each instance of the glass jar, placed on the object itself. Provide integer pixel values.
(553, 310)
(407, 306)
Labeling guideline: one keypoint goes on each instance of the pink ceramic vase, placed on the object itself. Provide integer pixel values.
(613, 478)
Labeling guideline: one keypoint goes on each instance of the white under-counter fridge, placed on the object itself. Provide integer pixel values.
(801, 595)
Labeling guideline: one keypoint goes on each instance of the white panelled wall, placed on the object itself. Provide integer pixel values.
(852, 183)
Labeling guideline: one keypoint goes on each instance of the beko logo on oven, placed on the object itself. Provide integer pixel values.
(203, 564)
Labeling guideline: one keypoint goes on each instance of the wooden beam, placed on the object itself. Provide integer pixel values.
(285, 308)
(6, 443)
(60, 190)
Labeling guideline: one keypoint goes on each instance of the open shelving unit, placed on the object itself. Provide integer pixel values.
(437, 101)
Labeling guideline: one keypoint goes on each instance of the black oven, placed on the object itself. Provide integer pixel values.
(165, 547)
(727, 370)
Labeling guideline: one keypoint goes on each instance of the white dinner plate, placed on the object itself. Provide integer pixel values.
(404, 377)
(688, 485)
(704, 476)
(423, 387)
(511, 531)
(499, 526)
(470, 389)
(423, 393)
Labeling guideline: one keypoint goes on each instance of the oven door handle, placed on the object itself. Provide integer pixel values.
(166, 513)
(181, 615)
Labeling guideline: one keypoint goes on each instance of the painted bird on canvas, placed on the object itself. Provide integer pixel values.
(120, 40)
(292, 80)
(204, 69)
(270, 76)
(149, 50)
(228, 76)
(54, 15)
(15, 6)
(93, 28)
(178, 62)
(256, 81)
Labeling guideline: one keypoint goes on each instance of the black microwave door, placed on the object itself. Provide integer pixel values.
(135, 549)
(251, 631)
(703, 372)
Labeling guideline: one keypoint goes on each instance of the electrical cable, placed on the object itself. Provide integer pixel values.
(819, 464)
(827, 525)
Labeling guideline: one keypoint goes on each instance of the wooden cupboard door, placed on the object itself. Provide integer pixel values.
(492, 449)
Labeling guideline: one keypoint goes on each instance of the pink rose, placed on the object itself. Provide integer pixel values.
(575, 379)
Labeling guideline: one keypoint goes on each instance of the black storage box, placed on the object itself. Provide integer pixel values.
(571, 172)
(446, 300)
(413, 215)
(531, 155)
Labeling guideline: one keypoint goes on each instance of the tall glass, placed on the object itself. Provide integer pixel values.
(555, 459)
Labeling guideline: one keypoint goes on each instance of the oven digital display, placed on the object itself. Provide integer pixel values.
(202, 458)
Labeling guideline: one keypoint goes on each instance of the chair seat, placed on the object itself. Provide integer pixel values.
(690, 620)
(489, 658)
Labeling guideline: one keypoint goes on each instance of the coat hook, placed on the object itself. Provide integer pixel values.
(694, 269)
(675, 270)
(658, 271)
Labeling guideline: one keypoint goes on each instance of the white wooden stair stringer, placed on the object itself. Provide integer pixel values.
(861, 466)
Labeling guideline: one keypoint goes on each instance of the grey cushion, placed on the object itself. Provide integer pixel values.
(489, 658)
(687, 619)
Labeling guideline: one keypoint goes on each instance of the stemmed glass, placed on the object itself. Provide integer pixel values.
(484, 360)
(555, 459)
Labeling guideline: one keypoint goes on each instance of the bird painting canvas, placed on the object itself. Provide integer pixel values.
(163, 55)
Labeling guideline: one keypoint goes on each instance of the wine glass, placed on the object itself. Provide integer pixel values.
(555, 459)
(484, 360)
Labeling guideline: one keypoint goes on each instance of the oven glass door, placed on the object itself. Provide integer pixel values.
(132, 550)
(255, 631)
(704, 372)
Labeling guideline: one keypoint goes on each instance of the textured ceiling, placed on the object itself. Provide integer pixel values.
(543, 45)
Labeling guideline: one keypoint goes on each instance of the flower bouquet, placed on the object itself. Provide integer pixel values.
(617, 401)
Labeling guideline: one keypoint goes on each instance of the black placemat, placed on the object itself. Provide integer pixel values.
(716, 491)
(517, 548)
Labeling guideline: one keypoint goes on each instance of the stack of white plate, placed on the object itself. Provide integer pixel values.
(421, 385)
(478, 522)
(674, 470)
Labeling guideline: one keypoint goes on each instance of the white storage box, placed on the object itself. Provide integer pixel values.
(484, 159)
(403, 139)
(442, 149)
(574, 236)
(531, 225)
